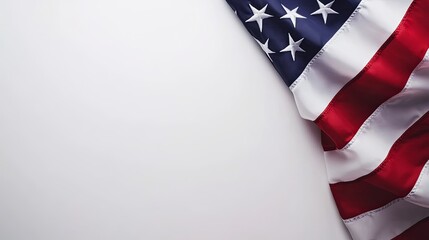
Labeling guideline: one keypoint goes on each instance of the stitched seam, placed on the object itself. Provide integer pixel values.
(419, 180)
(354, 219)
(326, 46)
(363, 71)
(412, 193)
(368, 122)
(391, 155)
(399, 30)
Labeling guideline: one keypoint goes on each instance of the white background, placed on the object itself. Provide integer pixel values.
(153, 120)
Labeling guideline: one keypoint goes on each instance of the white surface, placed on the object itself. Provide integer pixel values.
(154, 120)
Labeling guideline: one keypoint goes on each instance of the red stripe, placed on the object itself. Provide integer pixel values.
(419, 231)
(394, 178)
(384, 76)
(327, 143)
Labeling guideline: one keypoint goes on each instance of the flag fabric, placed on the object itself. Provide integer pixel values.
(359, 69)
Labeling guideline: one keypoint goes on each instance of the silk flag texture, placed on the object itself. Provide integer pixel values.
(360, 71)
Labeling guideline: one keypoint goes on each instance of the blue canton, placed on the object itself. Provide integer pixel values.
(292, 32)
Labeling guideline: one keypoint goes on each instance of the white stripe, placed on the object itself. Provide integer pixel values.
(346, 54)
(397, 216)
(420, 193)
(370, 146)
(386, 222)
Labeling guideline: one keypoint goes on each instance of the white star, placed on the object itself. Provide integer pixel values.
(265, 47)
(258, 15)
(292, 15)
(293, 47)
(325, 10)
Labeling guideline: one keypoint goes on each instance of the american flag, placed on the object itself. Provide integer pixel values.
(359, 69)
